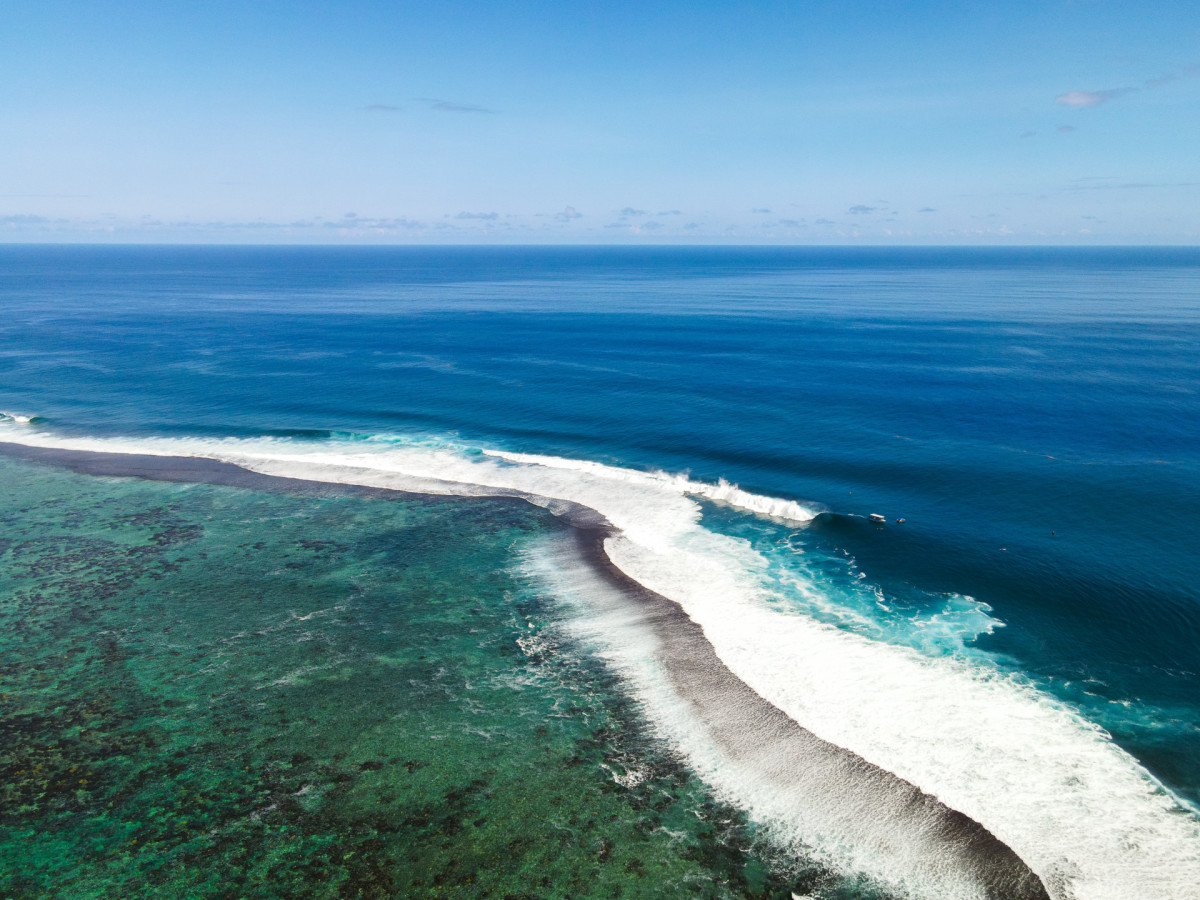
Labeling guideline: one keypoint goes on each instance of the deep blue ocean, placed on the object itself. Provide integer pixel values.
(1032, 415)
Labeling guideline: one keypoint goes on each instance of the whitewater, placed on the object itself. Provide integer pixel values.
(1082, 813)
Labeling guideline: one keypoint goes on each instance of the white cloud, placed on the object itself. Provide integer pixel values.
(1081, 99)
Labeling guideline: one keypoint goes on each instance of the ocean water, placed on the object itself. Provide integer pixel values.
(438, 689)
(213, 692)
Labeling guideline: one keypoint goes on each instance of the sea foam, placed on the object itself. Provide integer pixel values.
(1080, 811)
(721, 492)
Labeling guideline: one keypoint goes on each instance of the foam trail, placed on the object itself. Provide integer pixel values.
(1082, 813)
(816, 797)
(820, 798)
(721, 492)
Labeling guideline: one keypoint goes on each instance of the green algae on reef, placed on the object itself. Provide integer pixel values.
(214, 692)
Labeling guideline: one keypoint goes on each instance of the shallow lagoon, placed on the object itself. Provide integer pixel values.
(218, 692)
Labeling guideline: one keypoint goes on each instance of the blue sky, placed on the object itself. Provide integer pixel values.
(447, 122)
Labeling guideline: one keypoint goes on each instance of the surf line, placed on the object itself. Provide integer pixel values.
(944, 850)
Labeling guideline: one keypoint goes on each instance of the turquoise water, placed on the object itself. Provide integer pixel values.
(212, 692)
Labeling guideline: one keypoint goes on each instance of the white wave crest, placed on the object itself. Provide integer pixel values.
(721, 492)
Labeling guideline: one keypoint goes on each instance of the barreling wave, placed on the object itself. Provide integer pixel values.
(1082, 813)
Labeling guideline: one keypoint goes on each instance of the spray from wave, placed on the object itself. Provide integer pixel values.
(721, 492)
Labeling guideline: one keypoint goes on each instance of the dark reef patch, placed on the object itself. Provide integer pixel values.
(311, 693)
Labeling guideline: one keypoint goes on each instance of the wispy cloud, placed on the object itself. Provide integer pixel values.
(354, 222)
(569, 214)
(23, 220)
(348, 226)
(1162, 79)
(112, 224)
(861, 210)
(382, 107)
(221, 225)
(25, 195)
(452, 107)
(1191, 71)
(630, 211)
(1081, 99)
(824, 222)
(1066, 129)
(1085, 99)
(761, 210)
(1105, 184)
(926, 209)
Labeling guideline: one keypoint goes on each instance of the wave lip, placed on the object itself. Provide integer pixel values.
(721, 492)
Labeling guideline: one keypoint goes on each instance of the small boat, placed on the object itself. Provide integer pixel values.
(877, 518)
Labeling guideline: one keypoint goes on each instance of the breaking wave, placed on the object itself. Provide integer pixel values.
(1082, 813)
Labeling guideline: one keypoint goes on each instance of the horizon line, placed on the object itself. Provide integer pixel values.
(605, 245)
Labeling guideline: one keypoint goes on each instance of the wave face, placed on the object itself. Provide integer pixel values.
(819, 799)
(1077, 809)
